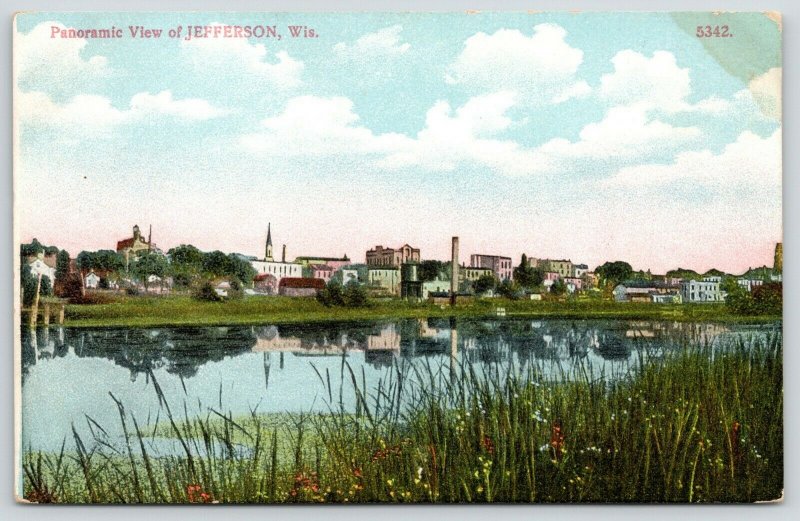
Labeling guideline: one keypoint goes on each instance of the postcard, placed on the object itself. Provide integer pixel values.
(466, 257)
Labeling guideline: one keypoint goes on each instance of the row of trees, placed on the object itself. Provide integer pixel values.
(351, 295)
(766, 299)
(186, 264)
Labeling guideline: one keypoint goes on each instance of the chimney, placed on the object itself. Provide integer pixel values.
(283, 255)
(454, 272)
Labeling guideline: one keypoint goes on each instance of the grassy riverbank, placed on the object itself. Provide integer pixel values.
(696, 425)
(183, 310)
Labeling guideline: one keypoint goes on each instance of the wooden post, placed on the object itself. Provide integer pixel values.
(61, 313)
(46, 314)
(35, 307)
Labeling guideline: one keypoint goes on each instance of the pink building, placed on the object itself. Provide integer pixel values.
(322, 271)
(501, 266)
(576, 282)
(552, 276)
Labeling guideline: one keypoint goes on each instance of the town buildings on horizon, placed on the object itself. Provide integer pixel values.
(431, 248)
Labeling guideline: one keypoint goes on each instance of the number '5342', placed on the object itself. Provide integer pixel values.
(713, 31)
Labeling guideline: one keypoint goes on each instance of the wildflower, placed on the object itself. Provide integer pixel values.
(557, 439)
(736, 448)
(195, 494)
(488, 444)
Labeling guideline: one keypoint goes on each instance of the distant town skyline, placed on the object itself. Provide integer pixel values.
(358, 255)
(518, 133)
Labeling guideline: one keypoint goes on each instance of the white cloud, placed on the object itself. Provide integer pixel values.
(384, 43)
(90, 112)
(749, 161)
(540, 67)
(163, 103)
(452, 138)
(465, 136)
(656, 83)
(237, 55)
(316, 126)
(54, 63)
(766, 90)
(469, 135)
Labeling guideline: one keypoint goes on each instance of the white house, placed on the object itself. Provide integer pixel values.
(579, 270)
(40, 266)
(91, 280)
(706, 290)
(666, 298)
(349, 275)
(749, 284)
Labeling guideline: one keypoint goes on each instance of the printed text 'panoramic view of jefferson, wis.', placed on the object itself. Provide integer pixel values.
(398, 257)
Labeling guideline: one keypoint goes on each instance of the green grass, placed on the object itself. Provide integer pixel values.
(699, 424)
(183, 310)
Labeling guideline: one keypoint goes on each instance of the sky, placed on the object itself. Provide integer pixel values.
(592, 137)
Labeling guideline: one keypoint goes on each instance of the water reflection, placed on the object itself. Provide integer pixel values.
(181, 351)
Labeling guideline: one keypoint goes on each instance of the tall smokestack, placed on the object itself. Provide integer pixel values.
(454, 272)
(283, 255)
(150, 238)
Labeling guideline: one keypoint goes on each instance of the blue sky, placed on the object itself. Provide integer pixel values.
(588, 136)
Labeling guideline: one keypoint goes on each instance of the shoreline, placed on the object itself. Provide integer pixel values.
(182, 311)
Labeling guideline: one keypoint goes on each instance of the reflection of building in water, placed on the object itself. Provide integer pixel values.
(387, 338)
(429, 330)
(268, 339)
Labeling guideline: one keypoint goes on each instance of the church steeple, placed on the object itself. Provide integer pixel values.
(268, 252)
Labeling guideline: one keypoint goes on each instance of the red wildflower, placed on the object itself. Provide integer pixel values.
(557, 439)
(736, 448)
(195, 494)
(488, 444)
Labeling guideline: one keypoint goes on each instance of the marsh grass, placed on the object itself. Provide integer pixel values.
(141, 311)
(698, 424)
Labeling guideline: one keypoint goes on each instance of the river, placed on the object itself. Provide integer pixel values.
(67, 374)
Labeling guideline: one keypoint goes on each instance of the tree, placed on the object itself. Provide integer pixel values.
(31, 249)
(206, 291)
(527, 276)
(429, 270)
(101, 260)
(186, 258)
(331, 295)
(683, 273)
(558, 287)
(484, 284)
(766, 299)
(354, 295)
(612, 273)
(729, 285)
(508, 289)
(62, 266)
(216, 263)
(150, 264)
(240, 269)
